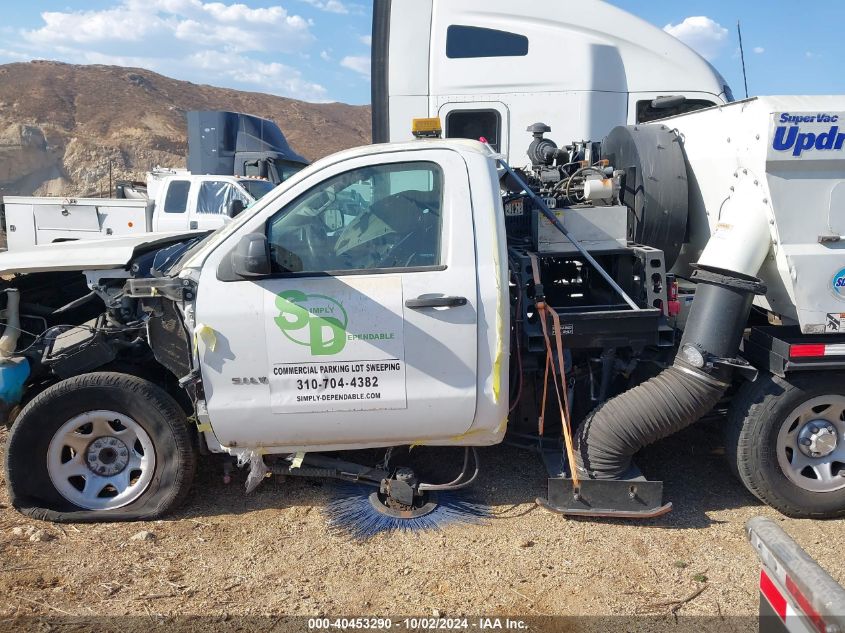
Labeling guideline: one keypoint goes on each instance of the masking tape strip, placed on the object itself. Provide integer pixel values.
(500, 322)
(502, 426)
(297, 461)
(207, 334)
(204, 428)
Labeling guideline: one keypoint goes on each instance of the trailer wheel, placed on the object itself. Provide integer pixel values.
(786, 442)
(100, 447)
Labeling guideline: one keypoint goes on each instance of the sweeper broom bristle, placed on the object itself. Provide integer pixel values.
(360, 512)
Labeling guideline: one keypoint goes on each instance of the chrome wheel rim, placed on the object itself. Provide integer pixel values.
(101, 460)
(811, 444)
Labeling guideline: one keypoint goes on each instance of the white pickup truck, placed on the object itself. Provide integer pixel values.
(373, 300)
(177, 202)
(409, 326)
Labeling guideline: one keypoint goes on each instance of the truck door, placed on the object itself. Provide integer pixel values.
(212, 206)
(366, 331)
(171, 212)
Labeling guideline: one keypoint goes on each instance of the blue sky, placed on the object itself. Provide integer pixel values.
(790, 47)
(319, 50)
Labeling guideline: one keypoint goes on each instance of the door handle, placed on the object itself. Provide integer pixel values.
(435, 302)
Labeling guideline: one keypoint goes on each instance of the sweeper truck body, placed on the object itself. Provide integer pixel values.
(458, 303)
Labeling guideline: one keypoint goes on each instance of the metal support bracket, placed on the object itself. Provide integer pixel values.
(619, 499)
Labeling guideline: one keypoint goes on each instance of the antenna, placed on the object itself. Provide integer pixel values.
(742, 56)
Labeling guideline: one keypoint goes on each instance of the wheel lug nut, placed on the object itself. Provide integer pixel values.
(805, 441)
(814, 429)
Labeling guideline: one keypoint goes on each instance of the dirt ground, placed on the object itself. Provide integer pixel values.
(227, 554)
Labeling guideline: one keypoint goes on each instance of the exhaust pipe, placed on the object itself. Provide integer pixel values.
(702, 370)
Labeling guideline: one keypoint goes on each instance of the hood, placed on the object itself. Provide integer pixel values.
(88, 254)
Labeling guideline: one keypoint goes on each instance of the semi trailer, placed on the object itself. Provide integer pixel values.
(464, 303)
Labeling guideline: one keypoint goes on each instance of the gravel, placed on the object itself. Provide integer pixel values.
(271, 552)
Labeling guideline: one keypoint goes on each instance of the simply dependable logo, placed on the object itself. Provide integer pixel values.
(792, 133)
(315, 321)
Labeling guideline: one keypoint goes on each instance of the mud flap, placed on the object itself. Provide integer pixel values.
(620, 499)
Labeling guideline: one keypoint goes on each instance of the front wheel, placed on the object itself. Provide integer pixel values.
(786, 442)
(100, 447)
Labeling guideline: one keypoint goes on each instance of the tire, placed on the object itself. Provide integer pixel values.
(764, 427)
(131, 432)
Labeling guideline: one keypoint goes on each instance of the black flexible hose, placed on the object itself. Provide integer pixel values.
(611, 435)
(680, 395)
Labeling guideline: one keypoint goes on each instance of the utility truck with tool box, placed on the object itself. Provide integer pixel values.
(233, 160)
(178, 201)
(462, 303)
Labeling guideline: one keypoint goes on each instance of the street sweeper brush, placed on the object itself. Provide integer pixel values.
(363, 512)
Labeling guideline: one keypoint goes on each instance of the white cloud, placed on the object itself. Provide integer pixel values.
(759, 50)
(273, 77)
(360, 64)
(330, 6)
(207, 42)
(702, 34)
(366, 40)
(326, 56)
(169, 26)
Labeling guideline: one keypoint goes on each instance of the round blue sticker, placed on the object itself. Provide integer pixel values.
(838, 284)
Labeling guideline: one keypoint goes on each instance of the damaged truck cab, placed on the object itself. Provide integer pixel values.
(351, 308)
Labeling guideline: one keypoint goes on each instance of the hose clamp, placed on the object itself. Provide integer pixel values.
(728, 279)
(702, 376)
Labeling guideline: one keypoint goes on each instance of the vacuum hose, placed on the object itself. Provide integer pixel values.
(701, 373)
(680, 395)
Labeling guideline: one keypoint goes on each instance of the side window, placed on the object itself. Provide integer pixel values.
(176, 200)
(474, 124)
(463, 42)
(214, 196)
(646, 113)
(383, 216)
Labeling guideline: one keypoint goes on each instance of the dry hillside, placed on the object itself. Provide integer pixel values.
(61, 124)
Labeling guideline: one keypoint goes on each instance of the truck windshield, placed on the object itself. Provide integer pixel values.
(257, 188)
(287, 169)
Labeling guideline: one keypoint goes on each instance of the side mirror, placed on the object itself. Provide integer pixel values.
(668, 102)
(251, 258)
(235, 206)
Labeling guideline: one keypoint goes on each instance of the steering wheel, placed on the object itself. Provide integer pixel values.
(313, 233)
